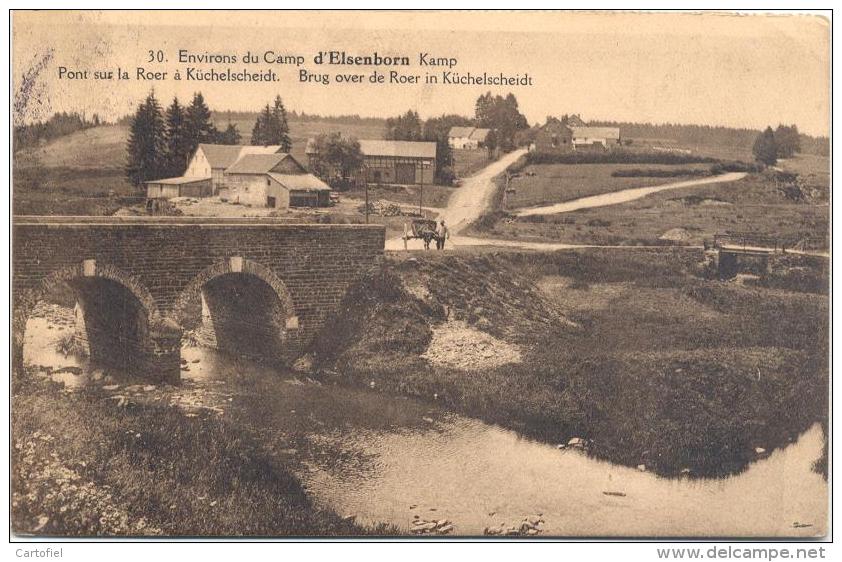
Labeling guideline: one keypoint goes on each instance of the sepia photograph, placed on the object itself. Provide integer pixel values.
(420, 275)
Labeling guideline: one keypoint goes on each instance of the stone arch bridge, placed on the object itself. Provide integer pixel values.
(262, 284)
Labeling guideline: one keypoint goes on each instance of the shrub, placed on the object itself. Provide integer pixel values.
(617, 157)
(658, 173)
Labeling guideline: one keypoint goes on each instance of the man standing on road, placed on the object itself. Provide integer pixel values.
(442, 234)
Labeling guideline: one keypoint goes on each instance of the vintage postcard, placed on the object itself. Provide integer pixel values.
(426, 275)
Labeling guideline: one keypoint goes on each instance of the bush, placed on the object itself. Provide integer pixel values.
(617, 157)
(658, 173)
(735, 166)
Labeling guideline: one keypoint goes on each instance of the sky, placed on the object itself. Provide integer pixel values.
(713, 68)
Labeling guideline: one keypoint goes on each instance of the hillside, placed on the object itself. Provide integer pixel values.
(105, 146)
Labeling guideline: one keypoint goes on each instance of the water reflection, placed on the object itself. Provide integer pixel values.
(388, 459)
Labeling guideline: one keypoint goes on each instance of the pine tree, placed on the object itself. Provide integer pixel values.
(199, 126)
(765, 148)
(788, 141)
(147, 144)
(261, 135)
(178, 141)
(279, 130)
(230, 136)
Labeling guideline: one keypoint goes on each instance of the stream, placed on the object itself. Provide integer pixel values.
(386, 459)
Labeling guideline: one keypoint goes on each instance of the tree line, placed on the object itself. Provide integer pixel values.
(708, 135)
(770, 145)
(60, 124)
(161, 142)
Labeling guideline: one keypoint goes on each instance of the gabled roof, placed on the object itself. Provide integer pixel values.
(480, 134)
(259, 163)
(402, 149)
(596, 132)
(460, 132)
(223, 155)
(300, 182)
(178, 181)
(472, 133)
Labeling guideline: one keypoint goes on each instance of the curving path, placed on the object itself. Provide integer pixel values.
(471, 200)
(624, 196)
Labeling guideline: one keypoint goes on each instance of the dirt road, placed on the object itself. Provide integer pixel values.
(472, 199)
(466, 204)
(623, 196)
(474, 196)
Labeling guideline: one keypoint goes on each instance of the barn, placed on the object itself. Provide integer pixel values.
(211, 160)
(274, 180)
(595, 137)
(178, 187)
(467, 138)
(390, 161)
(401, 162)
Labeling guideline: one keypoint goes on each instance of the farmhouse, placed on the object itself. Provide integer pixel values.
(470, 138)
(593, 137)
(557, 137)
(178, 187)
(211, 160)
(389, 161)
(274, 180)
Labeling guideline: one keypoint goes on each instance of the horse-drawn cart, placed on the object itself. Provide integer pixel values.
(424, 229)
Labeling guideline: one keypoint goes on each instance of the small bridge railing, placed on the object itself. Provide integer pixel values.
(768, 244)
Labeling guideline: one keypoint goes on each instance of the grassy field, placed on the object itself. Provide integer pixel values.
(553, 183)
(86, 466)
(468, 162)
(756, 204)
(632, 350)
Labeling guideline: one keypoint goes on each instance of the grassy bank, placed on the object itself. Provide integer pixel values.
(630, 350)
(84, 466)
(757, 204)
(544, 184)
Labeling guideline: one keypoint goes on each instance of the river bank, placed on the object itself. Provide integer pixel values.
(96, 463)
(636, 354)
(297, 453)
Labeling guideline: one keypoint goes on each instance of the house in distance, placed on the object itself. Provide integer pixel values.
(211, 160)
(557, 136)
(257, 176)
(467, 138)
(276, 180)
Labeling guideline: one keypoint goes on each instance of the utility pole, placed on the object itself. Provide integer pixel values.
(421, 193)
(365, 179)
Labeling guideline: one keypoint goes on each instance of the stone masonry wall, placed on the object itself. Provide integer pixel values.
(159, 260)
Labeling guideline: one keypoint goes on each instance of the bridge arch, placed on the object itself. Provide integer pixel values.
(116, 318)
(247, 309)
(233, 265)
